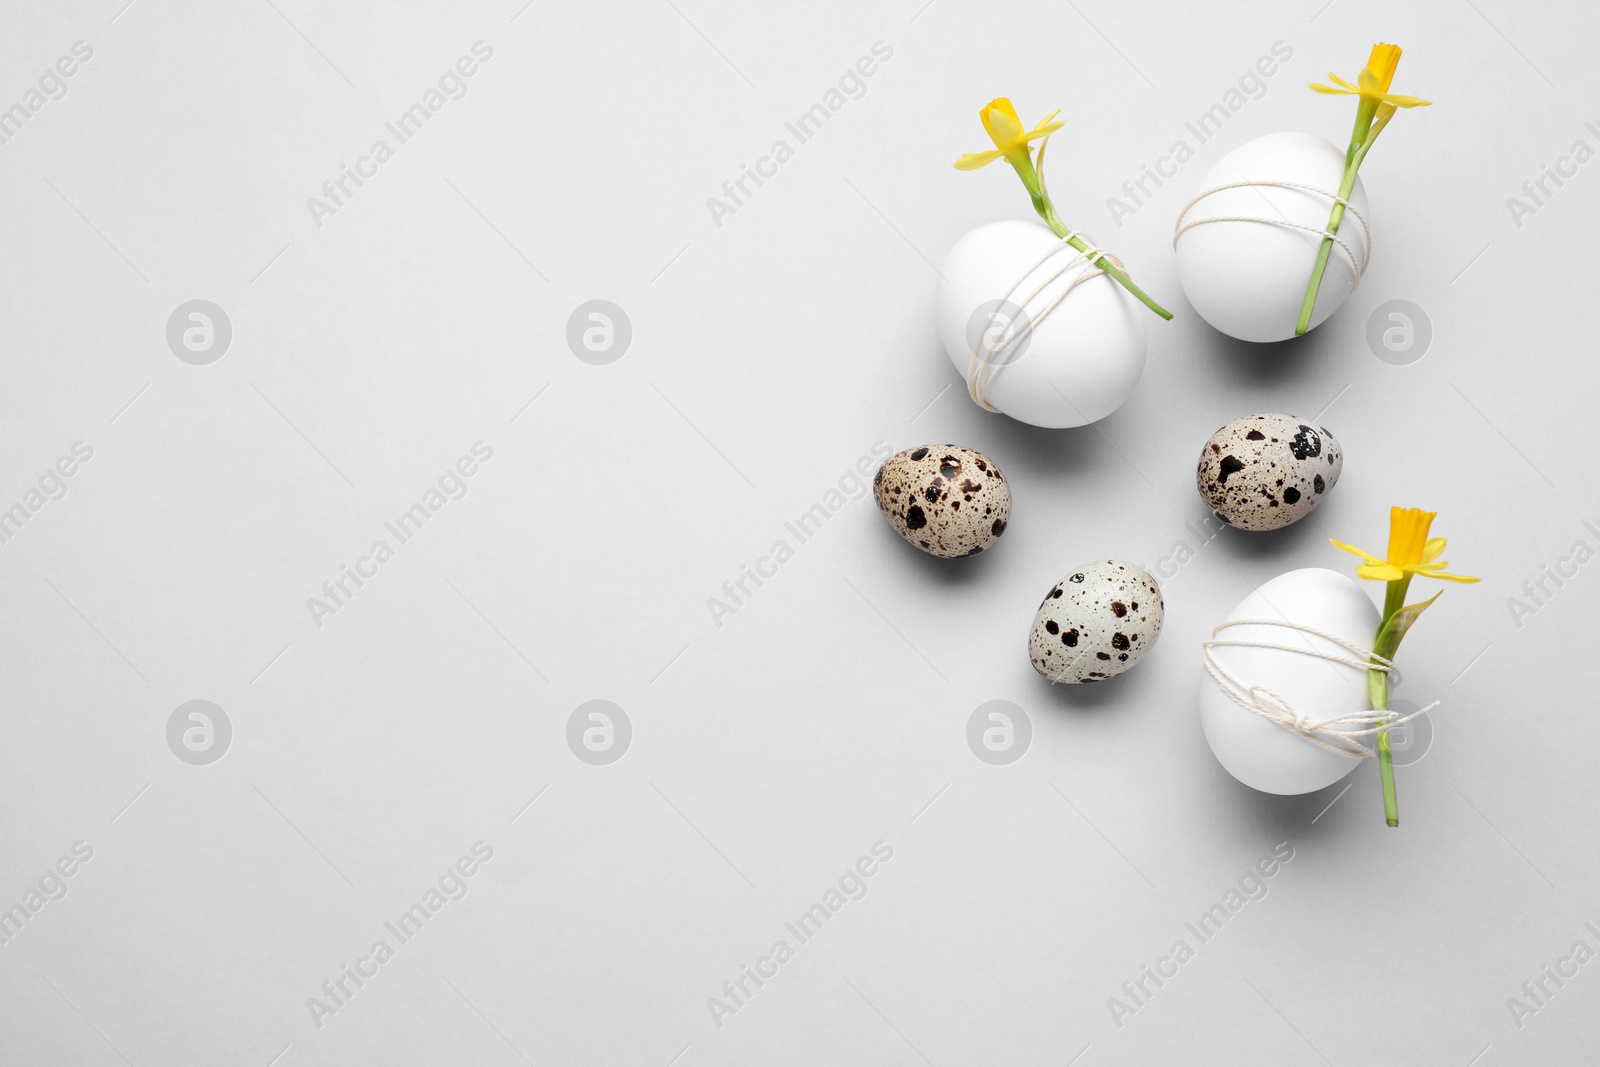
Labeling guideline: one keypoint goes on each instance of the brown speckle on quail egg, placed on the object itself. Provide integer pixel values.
(1095, 623)
(947, 500)
(1263, 472)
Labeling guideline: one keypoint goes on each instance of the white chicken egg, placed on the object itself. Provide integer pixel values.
(1248, 279)
(1075, 363)
(1256, 750)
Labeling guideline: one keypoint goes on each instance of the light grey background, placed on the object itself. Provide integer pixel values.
(829, 712)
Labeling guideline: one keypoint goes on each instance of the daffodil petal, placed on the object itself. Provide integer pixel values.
(1405, 101)
(1044, 130)
(974, 160)
(1433, 549)
(1462, 578)
(1352, 549)
(1328, 90)
(1340, 81)
(1369, 82)
(1380, 572)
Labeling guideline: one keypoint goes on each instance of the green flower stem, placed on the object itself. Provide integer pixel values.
(1033, 181)
(1366, 132)
(1048, 213)
(1335, 217)
(1378, 689)
(1394, 599)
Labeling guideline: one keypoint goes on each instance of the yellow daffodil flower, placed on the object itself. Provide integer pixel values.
(1013, 144)
(1374, 81)
(1411, 550)
(1005, 130)
(1377, 105)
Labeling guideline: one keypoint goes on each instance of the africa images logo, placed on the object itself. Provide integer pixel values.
(451, 886)
(851, 885)
(50, 886)
(451, 85)
(453, 484)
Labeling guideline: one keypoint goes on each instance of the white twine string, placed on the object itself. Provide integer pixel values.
(986, 361)
(1275, 709)
(1360, 267)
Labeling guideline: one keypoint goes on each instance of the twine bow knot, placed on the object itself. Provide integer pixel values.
(1277, 710)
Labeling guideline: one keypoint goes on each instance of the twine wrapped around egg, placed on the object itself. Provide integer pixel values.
(1072, 357)
(1249, 241)
(1276, 710)
(1359, 266)
(991, 354)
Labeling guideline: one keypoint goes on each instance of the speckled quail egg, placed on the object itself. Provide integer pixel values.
(1263, 472)
(1096, 623)
(947, 500)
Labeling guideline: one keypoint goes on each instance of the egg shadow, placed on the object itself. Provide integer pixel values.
(1092, 697)
(1270, 362)
(1062, 453)
(1264, 546)
(1294, 818)
(1047, 452)
(924, 567)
